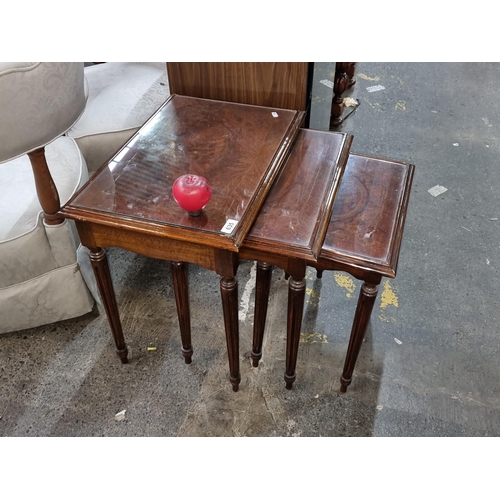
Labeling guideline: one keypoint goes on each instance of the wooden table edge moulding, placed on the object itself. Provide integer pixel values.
(185, 135)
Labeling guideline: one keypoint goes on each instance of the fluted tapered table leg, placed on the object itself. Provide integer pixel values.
(364, 308)
(229, 295)
(262, 287)
(296, 296)
(100, 267)
(181, 290)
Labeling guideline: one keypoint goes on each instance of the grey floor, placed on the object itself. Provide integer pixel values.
(429, 363)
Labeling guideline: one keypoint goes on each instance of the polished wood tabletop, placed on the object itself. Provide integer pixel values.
(239, 148)
(294, 218)
(366, 227)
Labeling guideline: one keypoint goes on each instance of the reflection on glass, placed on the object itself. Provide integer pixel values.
(233, 146)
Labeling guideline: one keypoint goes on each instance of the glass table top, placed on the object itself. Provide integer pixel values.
(238, 148)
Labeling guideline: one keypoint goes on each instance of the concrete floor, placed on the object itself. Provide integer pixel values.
(441, 378)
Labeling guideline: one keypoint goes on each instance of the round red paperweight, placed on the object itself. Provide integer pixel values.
(192, 193)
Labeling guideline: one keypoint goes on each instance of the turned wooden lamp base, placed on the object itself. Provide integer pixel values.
(343, 80)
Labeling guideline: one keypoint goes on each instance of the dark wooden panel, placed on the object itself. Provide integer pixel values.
(273, 84)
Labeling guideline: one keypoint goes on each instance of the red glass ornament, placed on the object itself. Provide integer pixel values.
(192, 193)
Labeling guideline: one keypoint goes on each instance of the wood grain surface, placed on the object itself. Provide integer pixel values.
(273, 84)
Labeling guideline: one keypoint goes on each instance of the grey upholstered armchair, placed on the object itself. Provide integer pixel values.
(40, 275)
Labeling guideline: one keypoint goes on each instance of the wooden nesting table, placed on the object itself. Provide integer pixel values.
(128, 203)
(291, 227)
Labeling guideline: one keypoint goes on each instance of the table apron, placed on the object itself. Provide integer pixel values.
(292, 265)
(158, 247)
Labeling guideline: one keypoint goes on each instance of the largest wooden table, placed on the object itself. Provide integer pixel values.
(129, 204)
